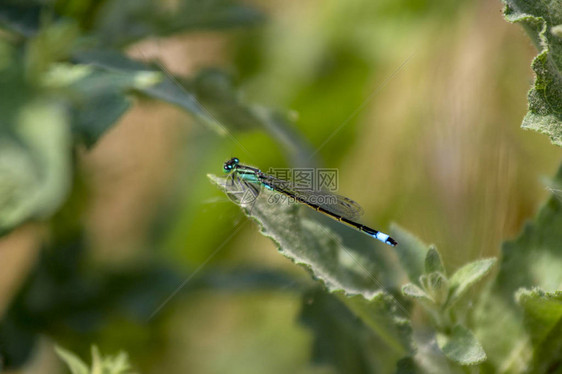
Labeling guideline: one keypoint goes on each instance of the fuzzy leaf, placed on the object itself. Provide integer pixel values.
(433, 262)
(438, 287)
(415, 292)
(533, 259)
(461, 346)
(467, 276)
(347, 272)
(545, 107)
(543, 321)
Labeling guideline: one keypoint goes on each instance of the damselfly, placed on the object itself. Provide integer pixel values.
(340, 208)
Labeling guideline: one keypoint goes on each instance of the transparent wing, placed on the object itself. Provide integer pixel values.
(337, 204)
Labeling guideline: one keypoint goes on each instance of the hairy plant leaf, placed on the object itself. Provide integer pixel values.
(345, 271)
(413, 291)
(538, 18)
(543, 320)
(437, 285)
(467, 276)
(433, 262)
(461, 346)
(533, 259)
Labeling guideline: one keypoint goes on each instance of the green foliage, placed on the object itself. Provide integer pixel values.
(437, 294)
(345, 272)
(87, 88)
(540, 19)
(66, 80)
(118, 364)
(461, 346)
(543, 321)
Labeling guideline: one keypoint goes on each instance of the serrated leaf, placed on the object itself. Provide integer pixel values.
(310, 244)
(344, 271)
(466, 277)
(74, 363)
(433, 262)
(534, 259)
(411, 252)
(461, 346)
(545, 107)
(543, 321)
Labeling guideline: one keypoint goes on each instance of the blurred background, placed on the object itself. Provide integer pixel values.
(417, 103)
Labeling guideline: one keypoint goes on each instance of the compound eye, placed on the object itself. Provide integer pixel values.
(235, 160)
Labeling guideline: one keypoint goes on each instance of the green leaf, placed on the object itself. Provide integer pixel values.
(310, 244)
(543, 321)
(411, 252)
(413, 291)
(437, 286)
(433, 262)
(210, 97)
(51, 44)
(545, 107)
(340, 338)
(118, 364)
(466, 277)
(34, 164)
(122, 22)
(74, 363)
(534, 259)
(461, 346)
(100, 99)
(344, 271)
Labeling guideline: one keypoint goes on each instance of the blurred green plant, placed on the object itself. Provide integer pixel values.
(66, 81)
(118, 364)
